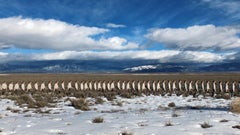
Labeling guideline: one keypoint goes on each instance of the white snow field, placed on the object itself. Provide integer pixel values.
(146, 115)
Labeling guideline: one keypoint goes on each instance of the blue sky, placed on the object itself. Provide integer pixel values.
(190, 30)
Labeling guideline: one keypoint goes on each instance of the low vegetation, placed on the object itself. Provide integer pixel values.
(126, 94)
(48, 98)
(99, 100)
(172, 104)
(205, 125)
(235, 105)
(98, 120)
(168, 123)
(223, 120)
(126, 133)
(236, 126)
(110, 95)
(174, 114)
(36, 100)
(117, 103)
(13, 110)
(81, 104)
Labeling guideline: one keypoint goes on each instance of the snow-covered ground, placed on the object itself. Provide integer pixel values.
(145, 115)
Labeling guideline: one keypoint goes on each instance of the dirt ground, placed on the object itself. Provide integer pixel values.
(126, 77)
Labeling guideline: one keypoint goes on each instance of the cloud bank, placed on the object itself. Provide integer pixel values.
(163, 56)
(200, 38)
(203, 44)
(56, 35)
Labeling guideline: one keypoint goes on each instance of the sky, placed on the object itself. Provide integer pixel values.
(202, 31)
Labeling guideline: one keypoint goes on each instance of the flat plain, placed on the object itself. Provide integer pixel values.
(126, 77)
(88, 113)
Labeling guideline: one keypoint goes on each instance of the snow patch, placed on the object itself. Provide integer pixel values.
(140, 68)
(52, 68)
(146, 115)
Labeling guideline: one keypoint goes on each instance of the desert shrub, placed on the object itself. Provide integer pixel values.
(172, 104)
(226, 96)
(58, 94)
(99, 100)
(223, 120)
(37, 104)
(119, 103)
(13, 110)
(42, 111)
(8, 108)
(236, 126)
(48, 97)
(27, 115)
(39, 101)
(235, 105)
(92, 94)
(205, 125)
(98, 120)
(32, 101)
(110, 96)
(126, 133)
(195, 107)
(80, 104)
(126, 94)
(24, 99)
(79, 94)
(163, 108)
(175, 115)
(143, 110)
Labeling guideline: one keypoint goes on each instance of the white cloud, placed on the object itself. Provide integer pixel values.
(194, 56)
(162, 56)
(206, 37)
(2, 54)
(112, 25)
(115, 55)
(53, 34)
(229, 7)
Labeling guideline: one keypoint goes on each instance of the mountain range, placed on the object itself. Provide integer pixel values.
(113, 66)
